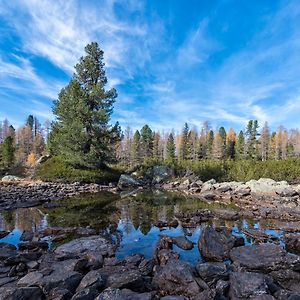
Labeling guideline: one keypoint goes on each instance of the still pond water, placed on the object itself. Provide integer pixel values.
(132, 214)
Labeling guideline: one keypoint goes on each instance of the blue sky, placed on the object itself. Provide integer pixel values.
(171, 61)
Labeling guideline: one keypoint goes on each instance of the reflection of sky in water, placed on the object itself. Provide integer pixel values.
(134, 241)
(135, 221)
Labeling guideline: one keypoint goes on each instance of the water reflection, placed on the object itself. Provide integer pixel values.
(134, 216)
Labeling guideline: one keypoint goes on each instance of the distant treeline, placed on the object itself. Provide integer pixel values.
(209, 144)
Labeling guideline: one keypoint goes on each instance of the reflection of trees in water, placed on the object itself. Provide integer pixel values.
(30, 219)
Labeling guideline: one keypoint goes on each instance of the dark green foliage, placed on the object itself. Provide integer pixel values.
(183, 150)
(222, 133)
(170, 148)
(8, 152)
(240, 146)
(30, 121)
(146, 142)
(136, 149)
(56, 169)
(82, 134)
(251, 133)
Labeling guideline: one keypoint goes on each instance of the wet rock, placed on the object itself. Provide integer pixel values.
(259, 236)
(262, 257)
(173, 298)
(164, 242)
(85, 231)
(176, 278)
(288, 279)
(159, 174)
(8, 246)
(182, 242)
(82, 245)
(127, 181)
(245, 285)
(212, 271)
(215, 244)
(3, 234)
(27, 236)
(292, 242)
(43, 245)
(26, 293)
(174, 223)
(134, 259)
(95, 259)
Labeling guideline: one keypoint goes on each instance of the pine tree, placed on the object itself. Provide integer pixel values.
(264, 142)
(8, 151)
(251, 133)
(222, 133)
(170, 148)
(240, 146)
(82, 134)
(136, 149)
(183, 148)
(147, 140)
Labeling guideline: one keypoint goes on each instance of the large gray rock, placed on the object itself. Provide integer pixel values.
(212, 271)
(177, 278)
(288, 279)
(292, 242)
(23, 293)
(215, 244)
(262, 258)
(11, 178)
(246, 285)
(125, 294)
(127, 181)
(100, 244)
(62, 275)
(267, 185)
(159, 174)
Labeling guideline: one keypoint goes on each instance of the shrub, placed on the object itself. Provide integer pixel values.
(55, 169)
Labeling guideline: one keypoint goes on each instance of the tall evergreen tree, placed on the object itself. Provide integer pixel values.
(183, 148)
(251, 133)
(240, 146)
(30, 122)
(8, 151)
(81, 133)
(222, 133)
(147, 139)
(170, 148)
(230, 144)
(136, 148)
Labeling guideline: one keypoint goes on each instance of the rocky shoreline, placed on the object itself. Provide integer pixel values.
(23, 194)
(86, 268)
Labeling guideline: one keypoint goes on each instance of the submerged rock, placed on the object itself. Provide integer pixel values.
(182, 242)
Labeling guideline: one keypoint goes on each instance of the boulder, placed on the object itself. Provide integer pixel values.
(182, 242)
(212, 271)
(160, 174)
(288, 279)
(92, 279)
(127, 181)
(125, 294)
(267, 185)
(86, 294)
(261, 258)
(246, 285)
(23, 293)
(208, 185)
(11, 178)
(176, 278)
(101, 244)
(215, 244)
(27, 236)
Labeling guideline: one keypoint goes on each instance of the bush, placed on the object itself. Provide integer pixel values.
(243, 170)
(55, 169)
